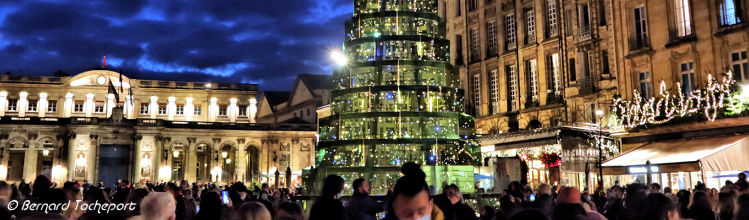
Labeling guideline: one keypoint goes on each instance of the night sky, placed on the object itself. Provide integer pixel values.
(267, 42)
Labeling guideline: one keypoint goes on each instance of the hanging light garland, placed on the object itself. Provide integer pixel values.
(709, 101)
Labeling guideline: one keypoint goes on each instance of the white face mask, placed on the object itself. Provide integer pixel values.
(426, 217)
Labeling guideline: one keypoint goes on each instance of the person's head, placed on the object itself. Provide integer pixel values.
(700, 200)
(544, 189)
(289, 211)
(742, 176)
(158, 206)
(655, 187)
(454, 194)
(210, 204)
(53, 196)
(361, 186)
(569, 195)
(411, 198)
(727, 202)
(41, 184)
(667, 190)
(136, 196)
(332, 186)
(251, 211)
(265, 187)
(616, 192)
(172, 188)
(660, 207)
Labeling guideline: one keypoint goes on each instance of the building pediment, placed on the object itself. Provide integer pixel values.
(99, 78)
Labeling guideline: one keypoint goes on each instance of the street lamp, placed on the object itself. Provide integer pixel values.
(599, 142)
(338, 57)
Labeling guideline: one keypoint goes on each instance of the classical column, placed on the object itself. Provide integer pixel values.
(190, 159)
(22, 103)
(153, 107)
(3, 102)
(110, 104)
(67, 107)
(137, 159)
(91, 169)
(29, 162)
(232, 110)
(129, 108)
(252, 109)
(213, 109)
(189, 109)
(171, 108)
(41, 105)
(71, 156)
(88, 106)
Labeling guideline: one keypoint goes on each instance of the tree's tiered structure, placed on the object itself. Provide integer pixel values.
(397, 100)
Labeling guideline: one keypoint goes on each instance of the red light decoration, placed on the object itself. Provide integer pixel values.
(551, 160)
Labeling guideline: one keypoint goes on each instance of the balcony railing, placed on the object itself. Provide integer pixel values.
(638, 44)
(584, 33)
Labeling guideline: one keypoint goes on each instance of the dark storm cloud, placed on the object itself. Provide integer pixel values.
(266, 42)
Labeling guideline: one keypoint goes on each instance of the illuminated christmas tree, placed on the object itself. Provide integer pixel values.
(396, 99)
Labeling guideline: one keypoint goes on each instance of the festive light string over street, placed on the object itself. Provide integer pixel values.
(667, 107)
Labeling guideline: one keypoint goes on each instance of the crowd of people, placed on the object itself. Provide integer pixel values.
(163, 201)
(408, 199)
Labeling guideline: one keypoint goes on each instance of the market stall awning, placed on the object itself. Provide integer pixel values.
(714, 154)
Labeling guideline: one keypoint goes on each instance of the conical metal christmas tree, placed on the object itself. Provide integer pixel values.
(396, 100)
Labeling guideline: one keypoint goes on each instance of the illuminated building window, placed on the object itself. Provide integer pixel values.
(687, 77)
(242, 110)
(729, 12)
(552, 69)
(532, 74)
(222, 110)
(12, 105)
(682, 18)
(99, 107)
(143, 109)
(510, 32)
(641, 33)
(52, 106)
(477, 93)
(740, 66)
(494, 91)
(530, 26)
(475, 51)
(512, 86)
(473, 5)
(162, 109)
(491, 31)
(197, 110)
(645, 87)
(78, 108)
(552, 19)
(32, 106)
(180, 110)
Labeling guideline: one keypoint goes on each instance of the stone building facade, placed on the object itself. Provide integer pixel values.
(75, 128)
(532, 63)
(679, 41)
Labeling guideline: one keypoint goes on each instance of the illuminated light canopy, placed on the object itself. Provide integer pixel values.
(642, 169)
(716, 96)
